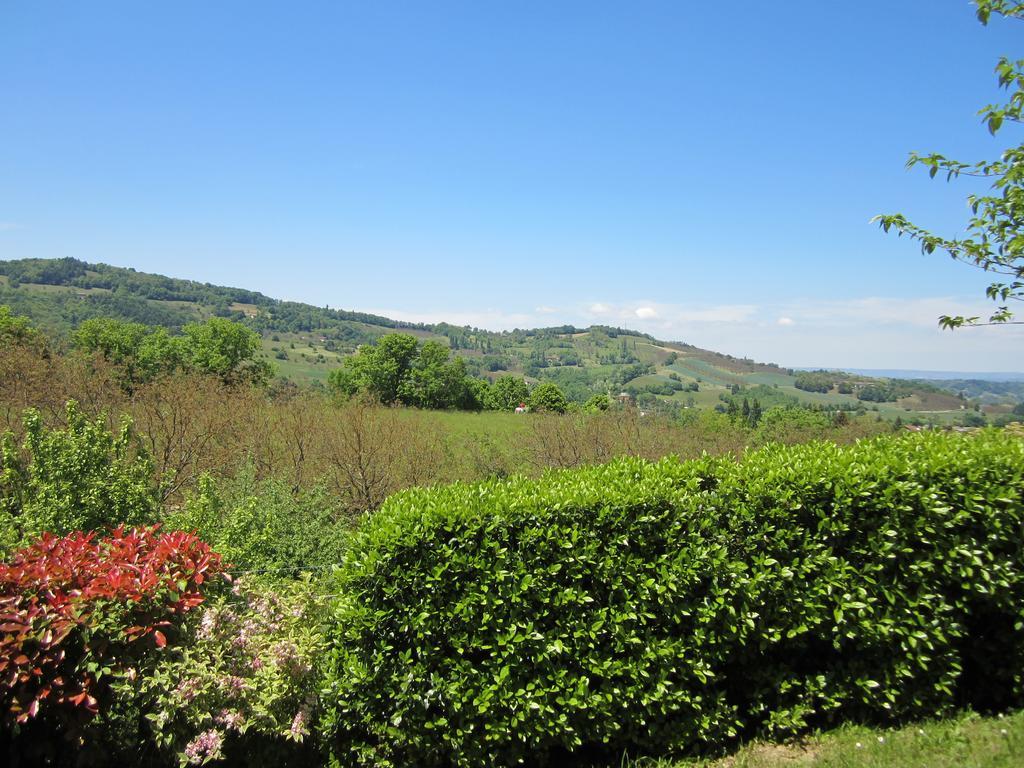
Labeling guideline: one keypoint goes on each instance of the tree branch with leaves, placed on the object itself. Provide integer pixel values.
(994, 241)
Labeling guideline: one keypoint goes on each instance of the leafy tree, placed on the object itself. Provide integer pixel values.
(546, 396)
(398, 369)
(379, 369)
(507, 392)
(217, 347)
(599, 402)
(118, 341)
(755, 413)
(814, 381)
(435, 380)
(141, 352)
(877, 393)
(16, 329)
(78, 478)
(478, 394)
(226, 349)
(731, 410)
(995, 240)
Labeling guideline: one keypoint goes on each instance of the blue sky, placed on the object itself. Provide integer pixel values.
(704, 172)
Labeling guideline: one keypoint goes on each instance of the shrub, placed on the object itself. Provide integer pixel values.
(788, 425)
(79, 478)
(263, 524)
(242, 684)
(76, 611)
(673, 607)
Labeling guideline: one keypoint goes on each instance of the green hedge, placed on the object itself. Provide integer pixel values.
(674, 607)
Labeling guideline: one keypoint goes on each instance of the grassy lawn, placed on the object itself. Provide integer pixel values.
(968, 741)
(307, 358)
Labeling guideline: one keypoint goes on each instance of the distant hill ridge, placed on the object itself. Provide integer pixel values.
(305, 342)
(97, 281)
(902, 373)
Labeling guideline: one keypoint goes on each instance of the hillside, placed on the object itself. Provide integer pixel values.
(305, 342)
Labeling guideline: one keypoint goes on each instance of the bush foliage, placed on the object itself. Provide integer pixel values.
(79, 478)
(671, 607)
(241, 685)
(76, 611)
(263, 525)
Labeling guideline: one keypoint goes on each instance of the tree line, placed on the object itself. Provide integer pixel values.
(398, 369)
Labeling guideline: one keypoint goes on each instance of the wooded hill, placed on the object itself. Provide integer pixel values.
(306, 342)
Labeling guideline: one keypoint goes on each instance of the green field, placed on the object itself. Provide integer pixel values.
(307, 358)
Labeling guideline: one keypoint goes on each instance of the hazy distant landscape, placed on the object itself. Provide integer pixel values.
(304, 343)
(939, 375)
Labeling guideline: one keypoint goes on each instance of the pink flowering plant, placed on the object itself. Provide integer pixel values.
(245, 670)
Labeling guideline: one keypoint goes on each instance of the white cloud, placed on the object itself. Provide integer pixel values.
(670, 315)
(8, 226)
(542, 310)
(722, 313)
(785, 321)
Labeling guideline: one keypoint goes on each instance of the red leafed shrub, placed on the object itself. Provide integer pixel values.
(78, 609)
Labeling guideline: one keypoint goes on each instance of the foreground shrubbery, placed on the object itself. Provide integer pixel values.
(242, 683)
(661, 608)
(672, 607)
(105, 659)
(78, 613)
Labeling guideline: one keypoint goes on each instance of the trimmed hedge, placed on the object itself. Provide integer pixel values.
(674, 607)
